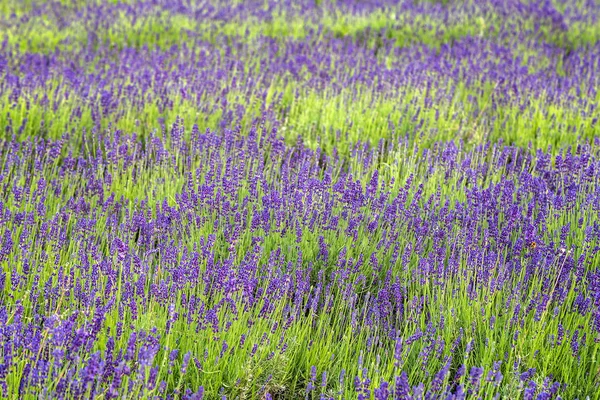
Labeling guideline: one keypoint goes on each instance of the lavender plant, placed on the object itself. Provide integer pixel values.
(287, 200)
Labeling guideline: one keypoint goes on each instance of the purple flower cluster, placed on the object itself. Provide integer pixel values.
(195, 207)
(501, 81)
(243, 244)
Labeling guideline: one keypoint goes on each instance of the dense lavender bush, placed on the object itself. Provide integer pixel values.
(300, 200)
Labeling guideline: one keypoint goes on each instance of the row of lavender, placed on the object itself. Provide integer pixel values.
(299, 200)
(267, 264)
(535, 84)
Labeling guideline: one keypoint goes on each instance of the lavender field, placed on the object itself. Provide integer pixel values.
(311, 199)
